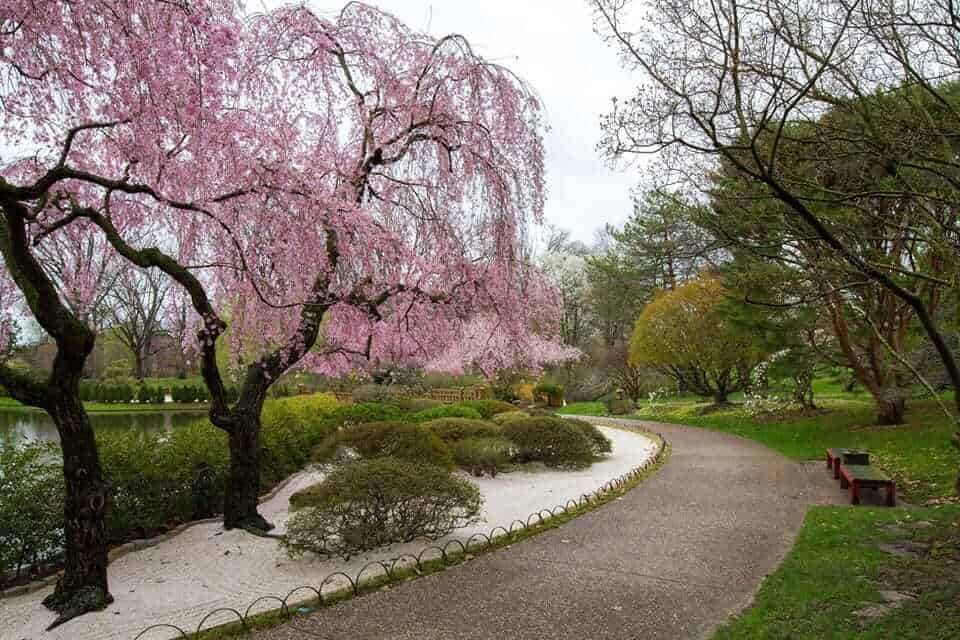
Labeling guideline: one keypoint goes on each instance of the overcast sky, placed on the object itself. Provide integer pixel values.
(551, 44)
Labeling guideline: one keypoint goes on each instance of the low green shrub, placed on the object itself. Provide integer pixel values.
(291, 428)
(445, 411)
(479, 455)
(413, 405)
(365, 412)
(369, 504)
(549, 388)
(455, 429)
(156, 478)
(489, 408)
(402, 440)
(504, 418)
(601, 444)
(549, 440)
(31, 506)
(144, 394)
(620, 406)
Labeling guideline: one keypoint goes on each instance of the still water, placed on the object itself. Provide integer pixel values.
(37, 425)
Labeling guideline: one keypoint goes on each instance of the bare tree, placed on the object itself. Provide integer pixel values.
(735, 81)
(136, 308)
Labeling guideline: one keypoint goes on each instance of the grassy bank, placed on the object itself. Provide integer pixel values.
(100, 407)
(917, 454)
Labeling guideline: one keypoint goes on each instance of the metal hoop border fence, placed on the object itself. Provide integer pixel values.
(416, 562)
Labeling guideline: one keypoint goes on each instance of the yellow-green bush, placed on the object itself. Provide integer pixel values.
(504, 418)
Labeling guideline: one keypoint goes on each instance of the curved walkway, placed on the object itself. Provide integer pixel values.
(671, 559)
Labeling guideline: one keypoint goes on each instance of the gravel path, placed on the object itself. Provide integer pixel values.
(205, 567)
(671, 559)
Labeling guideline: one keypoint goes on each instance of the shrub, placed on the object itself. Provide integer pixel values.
(291, 428)
(600, 443)
(455, 429)
(489, 408)
(154, 476)
(365, 412)
(549, 388)
(620, 406)
(151, 475)
(31, 506)
(446, 411)
(144, 394)
(413, 405)
(401, 440)
(370, 504)
(125, 393)
(552, 441)
(88, 390)
(504, 418)
(482, 455)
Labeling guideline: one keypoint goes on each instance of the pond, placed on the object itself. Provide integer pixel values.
(37, 425)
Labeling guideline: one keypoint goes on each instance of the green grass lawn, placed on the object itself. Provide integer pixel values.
(837, 568)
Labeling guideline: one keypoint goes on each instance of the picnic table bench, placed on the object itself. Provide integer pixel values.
(862, 476)
(836, 456)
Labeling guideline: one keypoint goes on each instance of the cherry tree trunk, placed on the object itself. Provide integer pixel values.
(243, 484)
(83, 586)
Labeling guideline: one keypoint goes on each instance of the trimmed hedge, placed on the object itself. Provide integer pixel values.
(375, 503)
(489, 408)
(504, 418)
(120, 392)
(552, 441)
(414, 405)
(405, 441)
(601, 444)
(452, 430)
(445, 411)
(365, 412)
(620, 406)
(482, 455)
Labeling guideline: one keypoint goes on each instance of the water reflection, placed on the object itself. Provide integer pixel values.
(37, 425)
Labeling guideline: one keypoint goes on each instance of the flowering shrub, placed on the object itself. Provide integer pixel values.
(755, 405)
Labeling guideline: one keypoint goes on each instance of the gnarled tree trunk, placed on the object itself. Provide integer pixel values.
(243, 484)
(83, 586)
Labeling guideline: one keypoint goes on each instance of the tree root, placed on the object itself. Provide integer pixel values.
(256, 525)
(76, 603)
